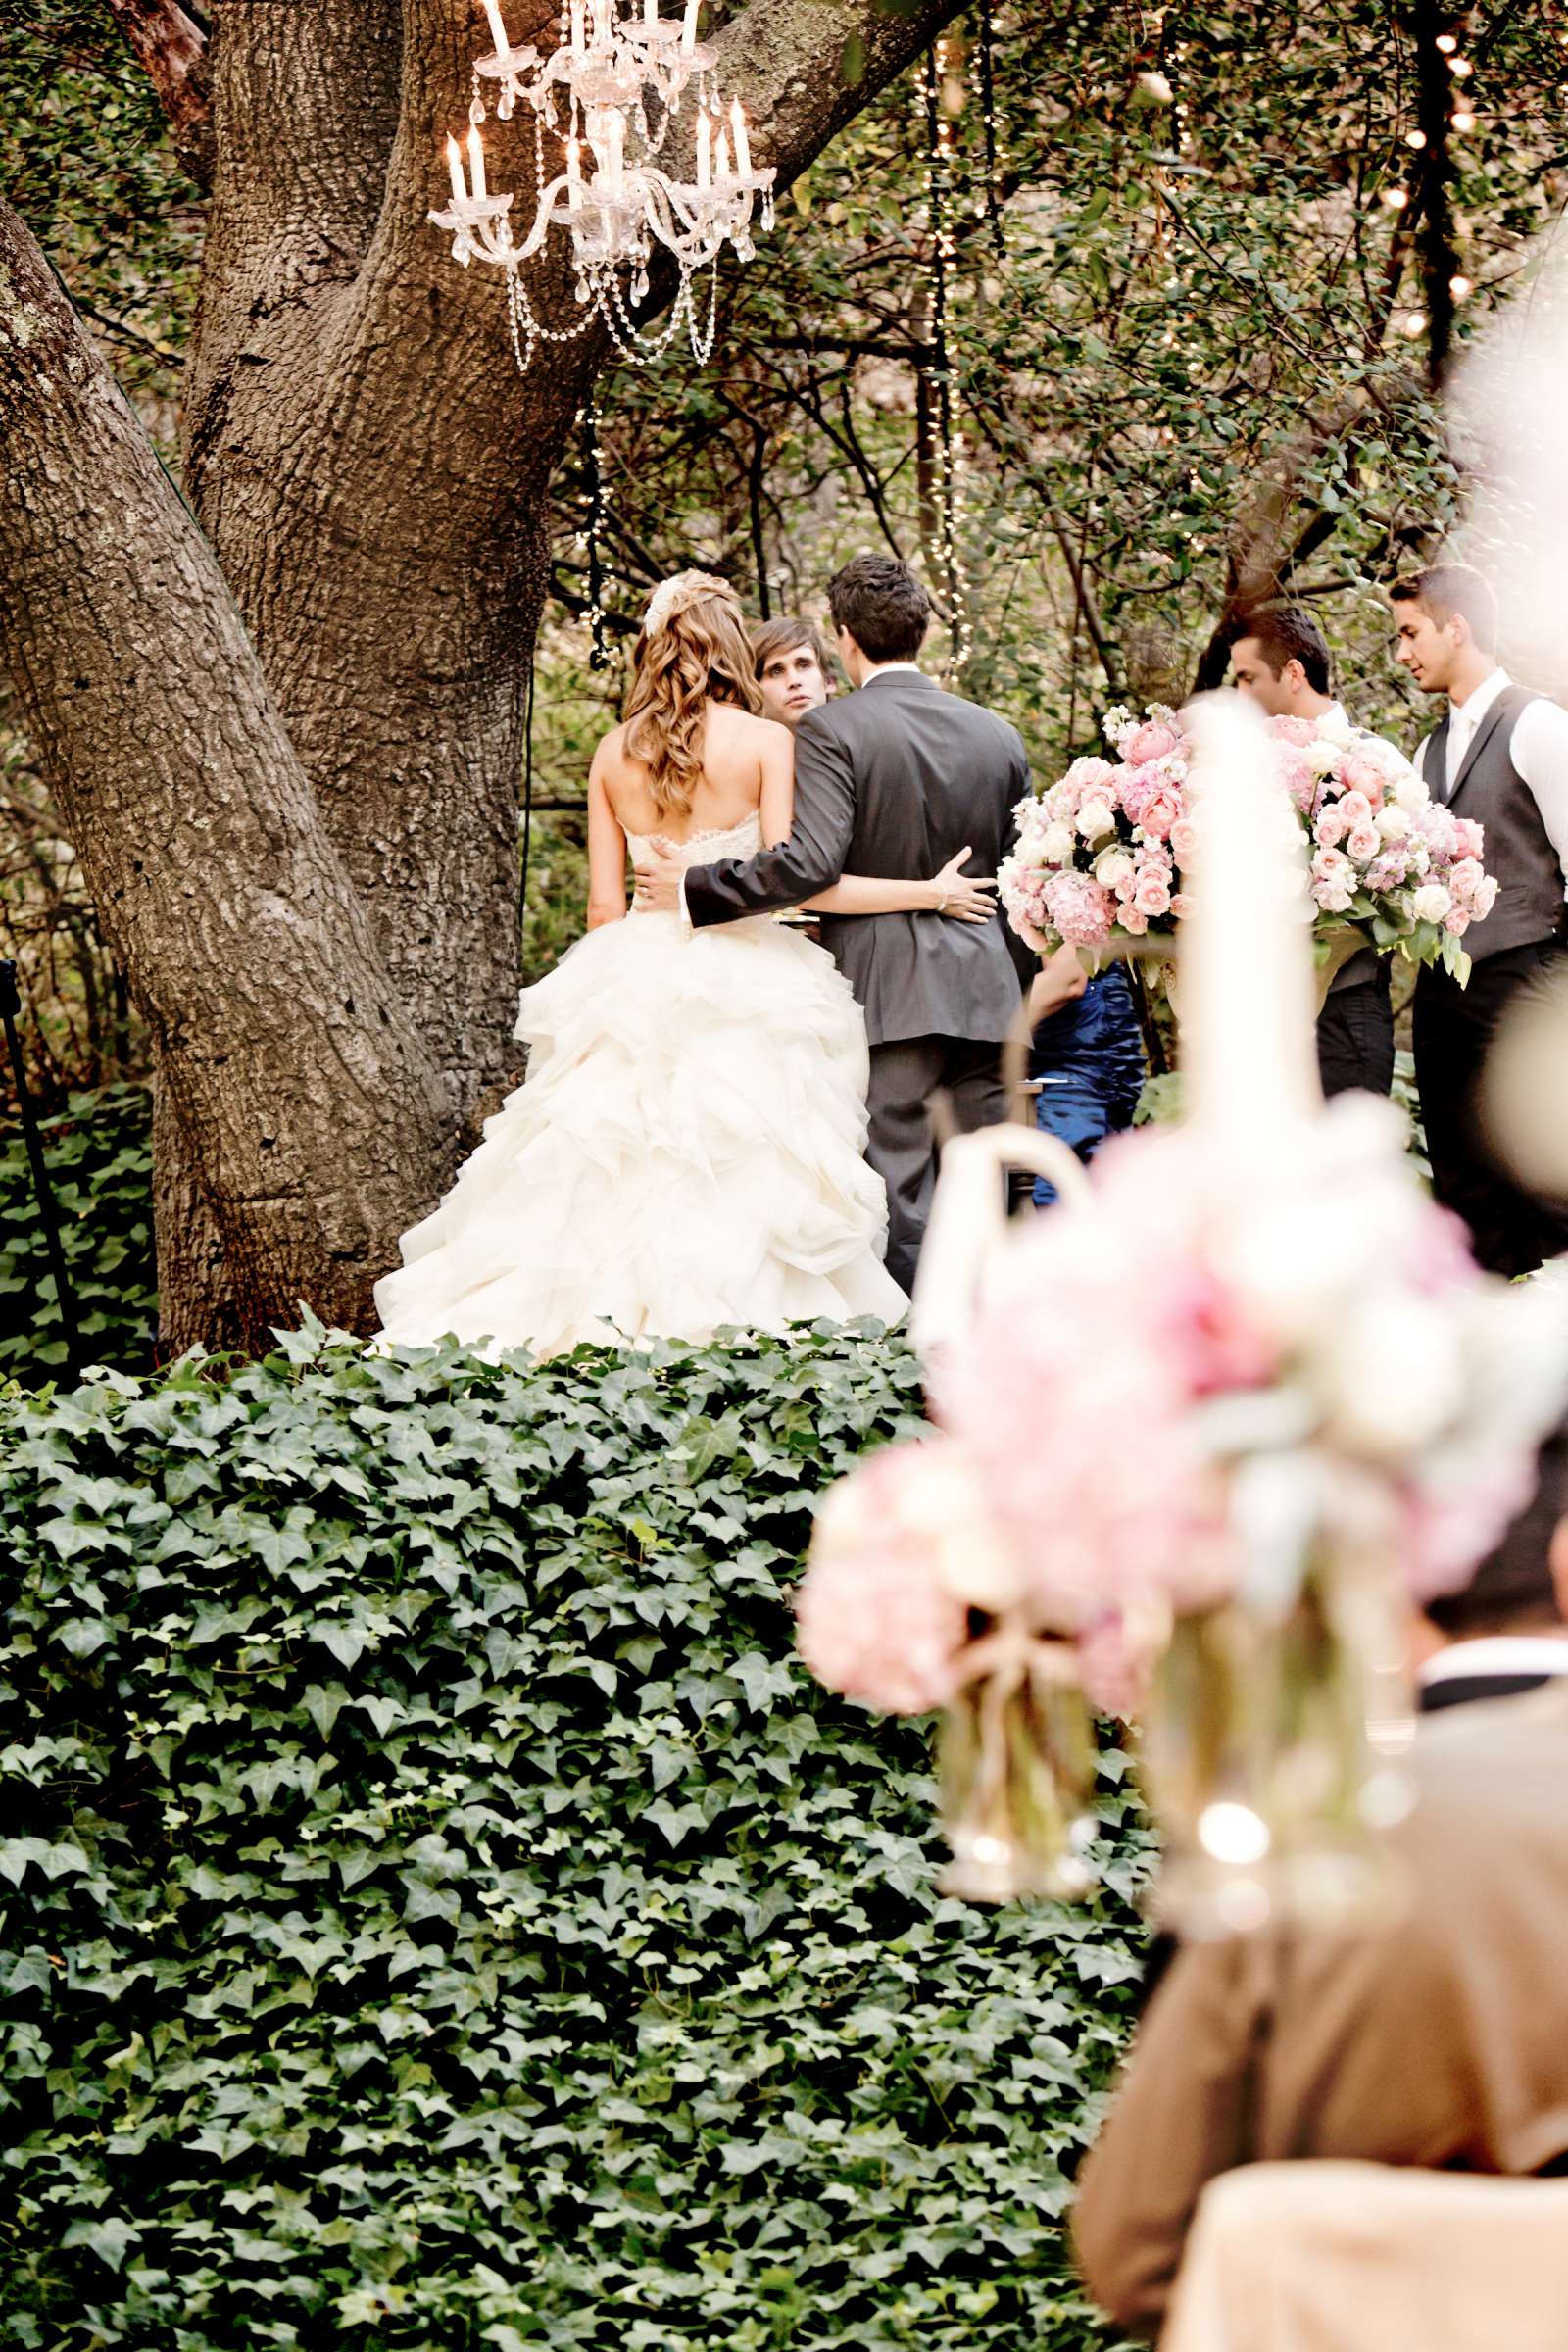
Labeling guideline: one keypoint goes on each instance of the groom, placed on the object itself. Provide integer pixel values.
(892, 780)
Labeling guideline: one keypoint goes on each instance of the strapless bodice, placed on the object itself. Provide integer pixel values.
(703, 849)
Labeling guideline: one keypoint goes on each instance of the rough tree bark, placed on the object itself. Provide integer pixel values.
(285, 1054)
(372, 478)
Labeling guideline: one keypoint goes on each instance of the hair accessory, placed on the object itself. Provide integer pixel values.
(665, 597)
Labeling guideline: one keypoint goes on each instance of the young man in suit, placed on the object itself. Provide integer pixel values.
(1280, 661)
(893, 780)
(793, 668)
(1499, 756)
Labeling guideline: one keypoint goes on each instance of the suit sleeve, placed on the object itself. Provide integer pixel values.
(1182, 2113)
(1024, 959)
(810, 861)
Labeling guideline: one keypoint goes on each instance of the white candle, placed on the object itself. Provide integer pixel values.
(1246, 1002)
(651, 13)
(688, 30)
(742, 145)
(459, 186)
(573, 174)
(498, 30)
(722, 159)
(704, 150)
(618, 145)
(577, 28)
(476, 160)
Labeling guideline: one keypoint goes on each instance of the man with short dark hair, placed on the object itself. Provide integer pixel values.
(1280, 661)
(1499, 756)
(893, 780)
(793, 669)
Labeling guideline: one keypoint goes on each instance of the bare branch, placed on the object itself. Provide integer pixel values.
(171, 50)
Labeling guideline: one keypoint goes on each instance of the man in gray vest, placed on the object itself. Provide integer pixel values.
(1279, 660)
(1499, 756)
(893, 780)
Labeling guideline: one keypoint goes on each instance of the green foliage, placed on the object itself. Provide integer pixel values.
(98, 1155)
(436, 1899)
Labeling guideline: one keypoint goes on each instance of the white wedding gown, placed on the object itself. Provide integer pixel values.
(684, 1153)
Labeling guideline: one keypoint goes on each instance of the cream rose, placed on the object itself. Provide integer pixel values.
(1431, 903)
(1096, 819)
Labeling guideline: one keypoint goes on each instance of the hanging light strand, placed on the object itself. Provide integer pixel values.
(989, 208)
(939, 225)
(591, 538)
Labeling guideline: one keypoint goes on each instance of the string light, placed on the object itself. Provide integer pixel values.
(988, 207)
(1460, 288)
(1447, 43)
(939, 161)
(1415, 138)
(1396, 199)
(1413, 323)
(1463, 120)
(590, 539)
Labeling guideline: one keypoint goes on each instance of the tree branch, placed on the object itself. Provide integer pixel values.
(172, 49)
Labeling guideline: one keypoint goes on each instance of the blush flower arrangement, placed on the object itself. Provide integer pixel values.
(1103, 854)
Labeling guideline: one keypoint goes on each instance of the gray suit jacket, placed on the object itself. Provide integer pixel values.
(892, 781)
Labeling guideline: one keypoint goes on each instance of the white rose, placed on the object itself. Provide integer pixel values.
(1394, 1377)
(1410, 793)
(1055, 845)
(1323, 756)
(1393, 823)
(1096, 819)
(1112, 867)
(1431, 903)
(1336, 727)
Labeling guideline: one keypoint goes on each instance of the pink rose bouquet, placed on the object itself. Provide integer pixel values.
(1103, 854)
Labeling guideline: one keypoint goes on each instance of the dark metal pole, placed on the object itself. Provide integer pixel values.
(10, 1006)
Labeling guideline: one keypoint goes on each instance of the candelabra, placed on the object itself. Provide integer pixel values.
(615, 86)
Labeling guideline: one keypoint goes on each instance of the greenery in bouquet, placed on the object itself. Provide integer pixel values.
(1103, 855)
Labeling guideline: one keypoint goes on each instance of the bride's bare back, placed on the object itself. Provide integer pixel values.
(744, 759)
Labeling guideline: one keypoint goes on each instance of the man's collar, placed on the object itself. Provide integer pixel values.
(897, 669)
(1498, 1655)
(1473, 710)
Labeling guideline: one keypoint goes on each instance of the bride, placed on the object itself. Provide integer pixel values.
(686, 1149)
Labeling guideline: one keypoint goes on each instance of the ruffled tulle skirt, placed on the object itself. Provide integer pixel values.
(685, 1154)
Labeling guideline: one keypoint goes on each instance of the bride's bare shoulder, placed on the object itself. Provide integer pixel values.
(737, 726)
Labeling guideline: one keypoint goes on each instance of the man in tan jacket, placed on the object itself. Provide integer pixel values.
(1440, 2041)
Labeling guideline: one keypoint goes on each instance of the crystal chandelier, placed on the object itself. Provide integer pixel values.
(615, 88)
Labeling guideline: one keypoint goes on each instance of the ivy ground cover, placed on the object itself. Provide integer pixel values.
(438, 1911)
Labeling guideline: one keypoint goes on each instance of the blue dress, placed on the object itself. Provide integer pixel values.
(1089, 1056)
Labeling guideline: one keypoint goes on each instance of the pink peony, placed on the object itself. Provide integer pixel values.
(1090, 775)
(1183, 840)
(1134, 920)
(1364, 778)
(1328, 831)
(1300, 779)
(1162, 809)
(875, 1617)
(1298, 731)
(1152, 896)
(1154, 739)
(1472, 837)
(1363, 842)
(1181, 906)
(1079, 908)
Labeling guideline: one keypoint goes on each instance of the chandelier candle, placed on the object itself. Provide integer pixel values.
(614, 94)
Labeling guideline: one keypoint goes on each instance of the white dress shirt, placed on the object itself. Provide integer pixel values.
(1537, 748)
(1497, 1654)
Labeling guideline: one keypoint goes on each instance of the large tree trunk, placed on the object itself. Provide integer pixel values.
(372, 478)
(310, 1109)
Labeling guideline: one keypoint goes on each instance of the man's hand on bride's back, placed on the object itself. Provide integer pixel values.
(964, 898)
(657, 883)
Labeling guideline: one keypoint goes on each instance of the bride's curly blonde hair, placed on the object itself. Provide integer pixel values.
(693, 650)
